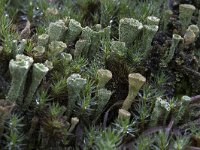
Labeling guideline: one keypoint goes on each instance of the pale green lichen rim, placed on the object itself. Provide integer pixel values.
(136, 79)
(189, 37)
(186, 98)
(153, 20)
(38, 50)
(57, 46)
(41, 67)
(187, 6)
(194, 28)
(132, 22)
(153, 28)
(177, 37)
(24, 58)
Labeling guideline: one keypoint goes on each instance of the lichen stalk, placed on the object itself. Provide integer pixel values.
(185, 14)
(160, 109)
(56, 30)
(74, 30)
(75, 85)
(136, 81)
(175, 41)
(166, 17)
(39, 72)
(74, 122)
(128, 30)
(149, 32)
(18, 70)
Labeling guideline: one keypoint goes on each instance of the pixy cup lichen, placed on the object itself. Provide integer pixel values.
(38, 73)
(128, 30)
(18, 69)
(103, 77)
(136, 81)
(185, 14)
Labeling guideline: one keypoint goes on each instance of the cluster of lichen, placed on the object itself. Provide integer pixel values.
(64, 81)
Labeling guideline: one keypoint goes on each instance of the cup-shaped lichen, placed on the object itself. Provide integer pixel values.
(87, 33)
(119, 48)
(189, 37)
(74, 30)
(185, 14)
(75, 85)
(75, 82)
(136, 81)
(195, 29)
(103, 96)
(95, 44)
(128, 30)
(38, 51)
(81, 48)
(93, 40)
(149, 32)
(18, 70)
(66, 57)
(185, 100)
(160, 109)
(43, 40)
(153, 20)
(48, 64)
(56, 30)
(103, 77)
(38, 73)
(74, 122)
(181, 108)
(56, 47)
(166, 17)
(175, 41)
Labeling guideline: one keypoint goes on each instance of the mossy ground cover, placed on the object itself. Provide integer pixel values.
(99, 74)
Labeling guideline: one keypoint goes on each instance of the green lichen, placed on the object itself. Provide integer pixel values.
(56, 30)
(74, 30)
(38, 73)
(185, 14)
(18, 69)
(136, 81)
(128, 30)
